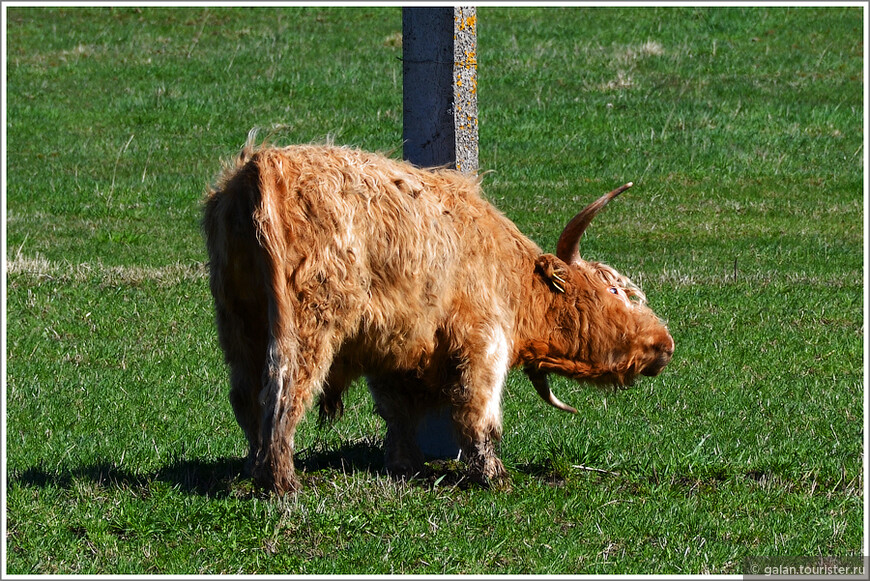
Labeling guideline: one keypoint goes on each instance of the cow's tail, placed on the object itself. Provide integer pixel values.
(277, 399)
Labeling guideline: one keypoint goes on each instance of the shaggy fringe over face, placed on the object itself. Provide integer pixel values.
(612, 278)
(327, 263)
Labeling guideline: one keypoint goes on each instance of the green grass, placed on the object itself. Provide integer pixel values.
(742, 130)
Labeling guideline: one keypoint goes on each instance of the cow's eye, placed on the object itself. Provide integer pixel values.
(613, 290)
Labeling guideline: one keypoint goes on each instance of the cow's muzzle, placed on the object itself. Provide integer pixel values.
(663, 351)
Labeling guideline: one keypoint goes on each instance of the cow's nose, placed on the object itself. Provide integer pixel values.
(664, 351)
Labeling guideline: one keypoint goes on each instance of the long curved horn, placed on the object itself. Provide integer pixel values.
(568, 246)
(542, 386)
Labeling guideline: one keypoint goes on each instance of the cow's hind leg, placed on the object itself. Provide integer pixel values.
(295, 373)
(400, 399)
(245, 354)
(240, 313)
(246, 383)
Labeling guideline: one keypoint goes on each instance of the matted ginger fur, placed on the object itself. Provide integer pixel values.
(327, 263)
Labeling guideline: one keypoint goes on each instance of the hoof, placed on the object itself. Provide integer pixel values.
(286, 485)
(406, 471)
(280, 484)
(490, 474)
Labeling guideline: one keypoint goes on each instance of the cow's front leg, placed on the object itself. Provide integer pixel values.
(476, 408)
(398, 398)
(478, 437)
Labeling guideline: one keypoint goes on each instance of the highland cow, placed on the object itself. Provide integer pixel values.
(329, 263)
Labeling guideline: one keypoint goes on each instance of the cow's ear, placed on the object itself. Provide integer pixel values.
(553, 270)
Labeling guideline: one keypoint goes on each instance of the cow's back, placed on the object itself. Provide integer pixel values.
(393, 255)
(390, 256)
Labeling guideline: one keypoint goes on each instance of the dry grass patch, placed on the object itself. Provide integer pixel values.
(38, 268)
(625, 57)
(629, 54)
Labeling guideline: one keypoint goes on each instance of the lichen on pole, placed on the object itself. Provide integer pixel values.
(465, 87)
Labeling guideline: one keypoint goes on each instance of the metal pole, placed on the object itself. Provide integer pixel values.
(439, 92)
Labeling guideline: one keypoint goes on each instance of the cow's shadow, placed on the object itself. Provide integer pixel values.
(201, 477)
(223, 477)
(226, 477)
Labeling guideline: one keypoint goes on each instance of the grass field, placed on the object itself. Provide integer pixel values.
(742, 129)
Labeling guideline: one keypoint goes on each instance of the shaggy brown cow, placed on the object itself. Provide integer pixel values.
(327, 263)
